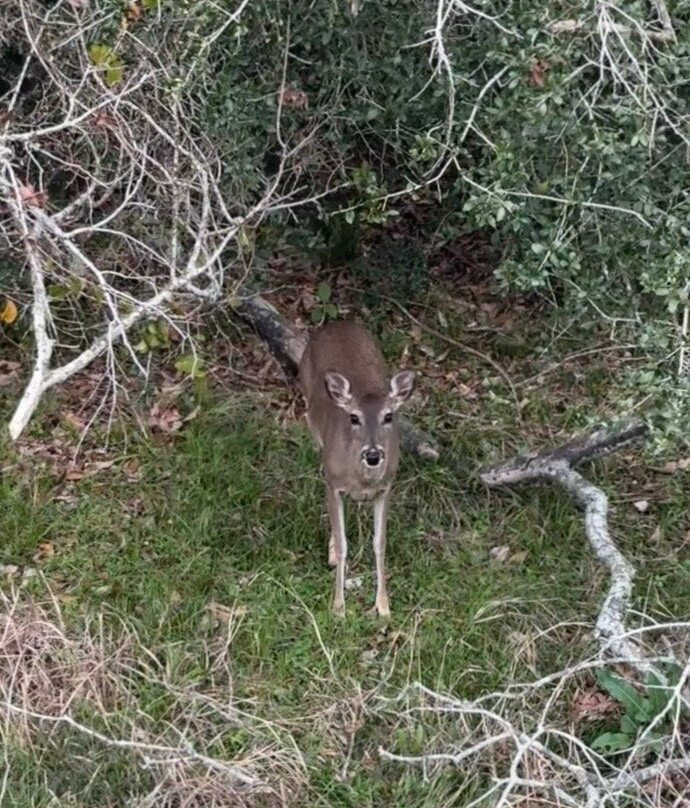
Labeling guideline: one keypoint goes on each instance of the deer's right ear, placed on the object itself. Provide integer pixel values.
(338, 388)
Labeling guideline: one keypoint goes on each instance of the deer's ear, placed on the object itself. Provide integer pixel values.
(338, 388)
(401, 387)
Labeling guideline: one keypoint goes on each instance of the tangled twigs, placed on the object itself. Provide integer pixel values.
(517, 738)
(109, 192)
(556, 466)
(56, 686)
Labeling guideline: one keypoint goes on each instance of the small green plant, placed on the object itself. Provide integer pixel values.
(324, 308)
(156, 334)
(190, 365)
(641, 706)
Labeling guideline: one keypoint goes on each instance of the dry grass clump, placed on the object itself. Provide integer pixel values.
(87, 693)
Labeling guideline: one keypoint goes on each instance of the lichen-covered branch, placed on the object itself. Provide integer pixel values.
(556, 466)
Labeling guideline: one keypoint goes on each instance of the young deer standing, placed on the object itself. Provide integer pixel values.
(351, 414)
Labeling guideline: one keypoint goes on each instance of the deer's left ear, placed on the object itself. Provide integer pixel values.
(401, 387)
(338, 388)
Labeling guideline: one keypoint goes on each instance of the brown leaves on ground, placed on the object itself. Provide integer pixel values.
(290, 97)
(166, 419)
(9, 372)
(590, 704)
(31, 198)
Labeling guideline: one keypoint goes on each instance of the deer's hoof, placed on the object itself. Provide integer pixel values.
(380, 609)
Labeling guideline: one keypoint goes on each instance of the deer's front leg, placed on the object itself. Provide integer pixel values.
(380, 518)
(337, 546)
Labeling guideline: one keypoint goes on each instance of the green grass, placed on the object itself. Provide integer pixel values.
(232, 513)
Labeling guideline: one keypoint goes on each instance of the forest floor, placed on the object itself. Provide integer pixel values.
(165, 582)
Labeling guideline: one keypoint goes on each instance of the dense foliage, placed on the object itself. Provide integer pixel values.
(571, 147)
(559, 131)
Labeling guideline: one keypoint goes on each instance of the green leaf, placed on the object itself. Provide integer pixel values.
(331, 311)
(658, 694)
(623, 692)
(323, 293)
(611, 742)
(99, 54)
(114, 74)
(316, 315)
(189, 364)
(57, 291)
(628, 726)
(104, 57)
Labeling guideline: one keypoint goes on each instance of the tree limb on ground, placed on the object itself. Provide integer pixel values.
(557, 466)
(287, 343)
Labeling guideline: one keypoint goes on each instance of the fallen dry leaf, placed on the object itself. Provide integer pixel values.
(131, 469)
(9, 372)
(74, 420)
(8, 313)
(536, 73)
(589, 705)
(499, 553)
(31, 197)
(222, 614)
(466, 391)
(167, 419)
(683, 464)
(293, 98)
(45, 549)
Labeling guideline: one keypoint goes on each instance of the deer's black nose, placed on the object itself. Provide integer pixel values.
(372, 457)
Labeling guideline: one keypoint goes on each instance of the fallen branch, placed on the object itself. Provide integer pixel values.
(531, 755)
(556, 466)
(287, 344)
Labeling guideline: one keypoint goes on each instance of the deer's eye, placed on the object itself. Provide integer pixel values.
(387, 418)
(354, 419)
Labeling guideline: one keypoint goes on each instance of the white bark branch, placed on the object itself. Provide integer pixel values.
(157, 751)
(556, 466)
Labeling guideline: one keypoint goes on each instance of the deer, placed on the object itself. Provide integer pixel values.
(351, 414)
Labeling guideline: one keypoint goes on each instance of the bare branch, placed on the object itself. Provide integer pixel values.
(556, 466)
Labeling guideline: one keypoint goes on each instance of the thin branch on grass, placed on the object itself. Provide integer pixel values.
(170, 754)
(520, 735)
(44, 672)
(557, 466)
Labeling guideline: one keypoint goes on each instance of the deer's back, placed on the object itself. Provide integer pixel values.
(349, 349)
